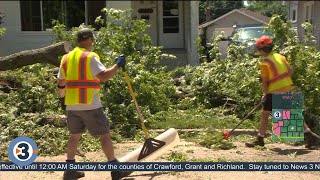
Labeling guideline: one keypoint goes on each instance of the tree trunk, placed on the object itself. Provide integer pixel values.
(49, 54)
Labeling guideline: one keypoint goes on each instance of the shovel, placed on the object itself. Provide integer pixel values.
(150, 145)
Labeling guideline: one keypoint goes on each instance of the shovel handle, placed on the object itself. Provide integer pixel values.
(126, 76)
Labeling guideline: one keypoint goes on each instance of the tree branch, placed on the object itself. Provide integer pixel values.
(49, 54)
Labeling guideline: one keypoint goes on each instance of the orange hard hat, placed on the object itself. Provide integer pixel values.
(263, 41)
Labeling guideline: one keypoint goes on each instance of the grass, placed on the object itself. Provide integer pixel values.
(241, 138)
(177, 157)
(182, 157)
(292, 155)
(220, 159)
(214, 140)
(260, 148)
(190, 136)
(190, 151)
(197, 118)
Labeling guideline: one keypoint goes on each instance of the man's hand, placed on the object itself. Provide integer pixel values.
(121, 61)
(108, 73)
(62, 104)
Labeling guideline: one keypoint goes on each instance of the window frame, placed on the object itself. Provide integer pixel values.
(166, 17)
(308, 16)
(48, 31)
(294, 14)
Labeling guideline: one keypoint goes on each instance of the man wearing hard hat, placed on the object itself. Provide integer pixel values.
(275, 73)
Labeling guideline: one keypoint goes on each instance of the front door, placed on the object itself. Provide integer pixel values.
(171, 24)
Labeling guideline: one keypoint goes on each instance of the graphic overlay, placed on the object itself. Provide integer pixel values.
(287, 116)
(23, 151)
(164, 166)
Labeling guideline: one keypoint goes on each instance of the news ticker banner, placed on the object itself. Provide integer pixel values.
(163, 166)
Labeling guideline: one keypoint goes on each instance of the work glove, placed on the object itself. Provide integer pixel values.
(62, 104)
(121, 61)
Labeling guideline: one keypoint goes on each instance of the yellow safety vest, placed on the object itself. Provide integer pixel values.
(80, 82)
(278, 78)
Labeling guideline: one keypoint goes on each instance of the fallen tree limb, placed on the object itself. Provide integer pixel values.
(49, 54)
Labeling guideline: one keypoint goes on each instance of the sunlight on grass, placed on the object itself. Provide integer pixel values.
(197, 118)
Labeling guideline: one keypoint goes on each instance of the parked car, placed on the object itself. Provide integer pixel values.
(247, 36)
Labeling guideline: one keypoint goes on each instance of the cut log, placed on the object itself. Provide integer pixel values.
(51, 119)
(49, 54)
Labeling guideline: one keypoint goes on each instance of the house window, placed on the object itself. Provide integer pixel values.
(170, 16)
(70, 13)
(311, 13)
(38, 15)
(93, 11)
(30, 16)
(308, 11)
(294, 15)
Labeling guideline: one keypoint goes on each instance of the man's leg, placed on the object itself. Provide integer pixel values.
(107, 146)
(72, 146)
(76, 128)
(262, 130)
(311, 137)
(264, 122)
(98, 125)
(266, 110)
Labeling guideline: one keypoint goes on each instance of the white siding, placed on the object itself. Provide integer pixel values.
(293, 6)
(316, 22)
(119, 4)
(16, 40)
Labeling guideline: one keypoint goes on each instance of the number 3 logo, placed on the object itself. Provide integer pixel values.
(23, 151)
(277, 114)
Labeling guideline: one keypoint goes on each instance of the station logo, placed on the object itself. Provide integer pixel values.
(23, 151)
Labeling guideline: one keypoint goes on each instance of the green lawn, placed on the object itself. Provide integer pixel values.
(197, 118)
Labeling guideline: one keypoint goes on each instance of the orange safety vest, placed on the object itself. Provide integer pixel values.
(279, 77)
(80, 84)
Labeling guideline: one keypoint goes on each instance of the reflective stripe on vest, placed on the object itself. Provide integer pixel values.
(80, 82)
(279, 76)
(83, 84)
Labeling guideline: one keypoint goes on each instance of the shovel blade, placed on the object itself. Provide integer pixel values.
(162, 144)
(150, 146)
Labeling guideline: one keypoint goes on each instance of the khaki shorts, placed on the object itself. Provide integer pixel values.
(94, 120)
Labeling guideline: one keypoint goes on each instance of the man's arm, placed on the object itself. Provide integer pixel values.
(61, 88)
(264, 85)
(100, 71)
(61, 84)
(108, 73)
(264, 77)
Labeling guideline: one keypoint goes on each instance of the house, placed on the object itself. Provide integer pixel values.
(233, 18)
(304, 11)
(228, 21)
(174, 24)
